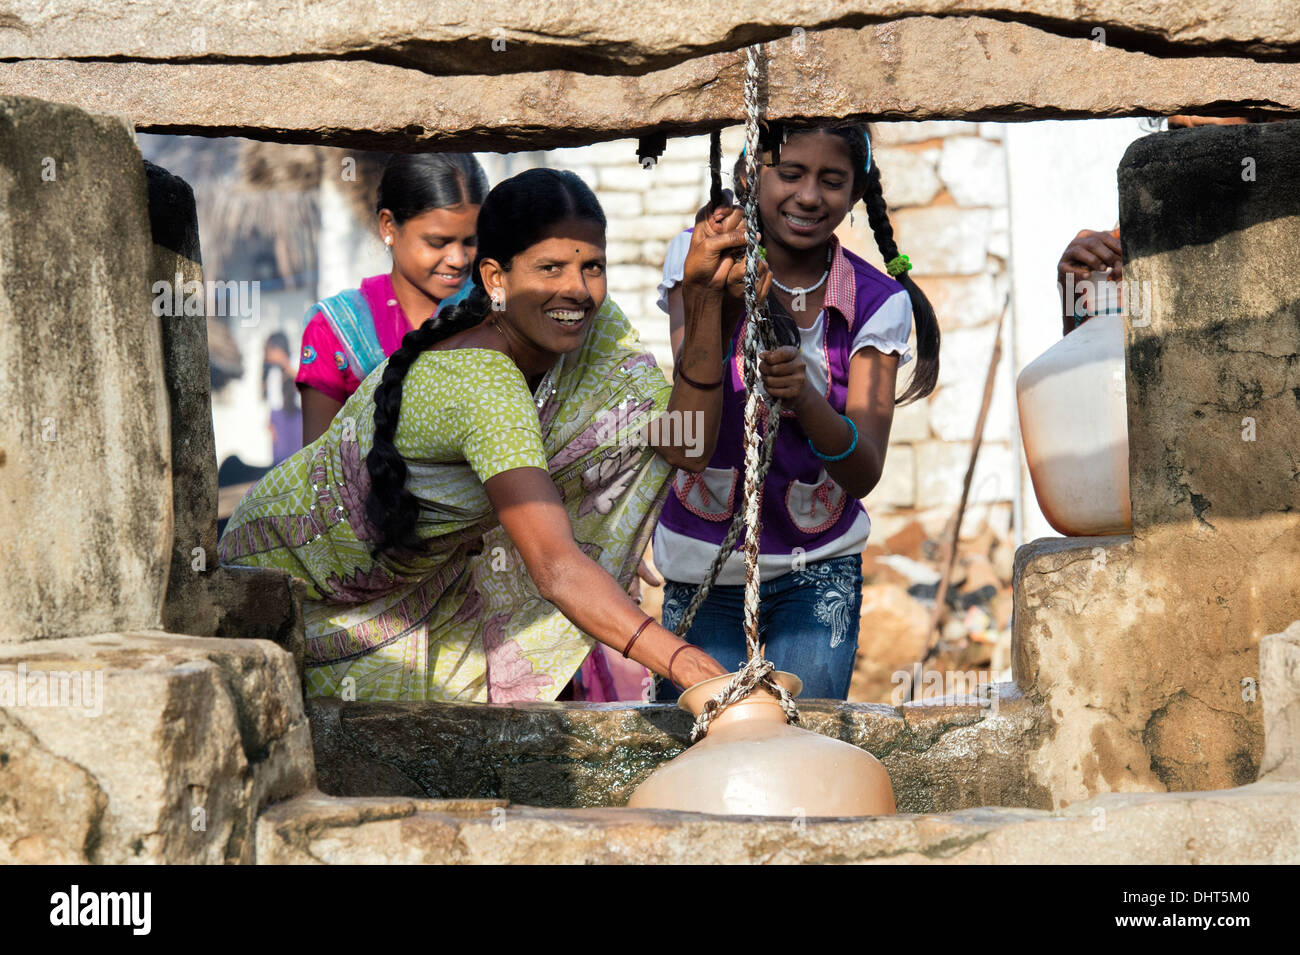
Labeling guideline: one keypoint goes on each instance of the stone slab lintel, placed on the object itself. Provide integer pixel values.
(619, 37)
(913, 69)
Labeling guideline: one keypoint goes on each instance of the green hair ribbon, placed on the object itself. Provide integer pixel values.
(898, 265)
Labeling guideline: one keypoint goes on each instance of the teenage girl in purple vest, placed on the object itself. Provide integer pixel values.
(845, 328)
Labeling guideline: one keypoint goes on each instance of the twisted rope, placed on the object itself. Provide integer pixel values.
(715, 169)
(759, 337)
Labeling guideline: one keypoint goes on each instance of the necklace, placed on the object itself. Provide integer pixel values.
(811, 288)
(546, 387)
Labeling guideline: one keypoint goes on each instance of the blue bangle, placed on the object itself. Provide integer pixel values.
(838, 457)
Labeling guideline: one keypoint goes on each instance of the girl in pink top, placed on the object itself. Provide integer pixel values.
(428, 215)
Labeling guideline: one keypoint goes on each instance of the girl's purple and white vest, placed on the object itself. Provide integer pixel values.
(804, 511)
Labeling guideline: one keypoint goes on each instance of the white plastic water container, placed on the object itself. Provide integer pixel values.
(1074, 428)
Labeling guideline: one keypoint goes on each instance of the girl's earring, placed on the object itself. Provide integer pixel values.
(850, 218)
(388, 244)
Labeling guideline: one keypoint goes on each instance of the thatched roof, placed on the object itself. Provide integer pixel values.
(246, 188)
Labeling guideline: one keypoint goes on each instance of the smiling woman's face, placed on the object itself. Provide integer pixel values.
(435, 250)
(809, 193)
(553, 287)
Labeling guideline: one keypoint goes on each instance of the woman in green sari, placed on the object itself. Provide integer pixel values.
(474, 514)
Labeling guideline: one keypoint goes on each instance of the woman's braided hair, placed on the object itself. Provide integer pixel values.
(515, 215)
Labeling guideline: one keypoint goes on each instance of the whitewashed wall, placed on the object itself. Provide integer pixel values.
(1062, 177)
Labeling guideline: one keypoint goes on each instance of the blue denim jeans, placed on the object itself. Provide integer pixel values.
(807, 618)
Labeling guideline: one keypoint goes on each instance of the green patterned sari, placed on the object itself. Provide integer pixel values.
(464, 621)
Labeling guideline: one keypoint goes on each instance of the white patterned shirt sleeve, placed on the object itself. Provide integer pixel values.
(674, 266)
(888, 329)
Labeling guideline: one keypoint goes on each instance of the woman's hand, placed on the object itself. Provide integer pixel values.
(1091, 252)
(710, 261)
(1088, 253)
(785, 376)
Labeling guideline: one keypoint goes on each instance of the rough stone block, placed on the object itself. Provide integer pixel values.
(898, 133)
(623, 253)
(974, 170)
(897, 487)
(955, 407)
(628, 176)
(620, 37)
(964, 301)
(203, 598)
(676, 200)
(653, 252)
(1000, 234)
(611, 152)
(908, 176)
(85, 478)
(1279, 686)
(662, 227)
(174, 226)
(941, 468)
(964, 357)
(163, 748)
(947, 240)
(621, 205)
(695, 172)
(1141, 679)
(911, 423)
(632, 279)
(1208, 354)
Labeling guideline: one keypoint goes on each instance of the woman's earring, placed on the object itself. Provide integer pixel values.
(388, 244)
(850, 218)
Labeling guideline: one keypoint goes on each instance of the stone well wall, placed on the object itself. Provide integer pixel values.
(85, 458)
(1144, 650)
(120, 742)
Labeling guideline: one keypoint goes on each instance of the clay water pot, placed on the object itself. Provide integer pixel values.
(753, 763)
(1074, 427)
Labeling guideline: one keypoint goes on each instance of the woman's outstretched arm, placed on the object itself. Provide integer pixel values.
(530, 510)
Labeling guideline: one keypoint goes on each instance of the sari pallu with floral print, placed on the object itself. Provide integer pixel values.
(464, 621)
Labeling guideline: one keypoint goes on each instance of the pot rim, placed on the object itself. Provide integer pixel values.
(692, 698)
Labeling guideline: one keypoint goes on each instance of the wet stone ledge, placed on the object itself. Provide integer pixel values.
(953, 754)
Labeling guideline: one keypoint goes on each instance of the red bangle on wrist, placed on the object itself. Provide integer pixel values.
(639, 630)
(684, 646)
(678, 373)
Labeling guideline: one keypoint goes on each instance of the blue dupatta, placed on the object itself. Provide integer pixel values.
(350, 319)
